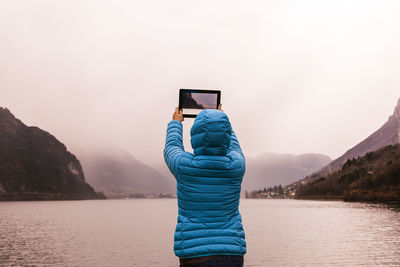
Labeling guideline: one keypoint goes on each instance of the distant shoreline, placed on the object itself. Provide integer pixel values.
(31, 196)
(45, 196)
(333, 198)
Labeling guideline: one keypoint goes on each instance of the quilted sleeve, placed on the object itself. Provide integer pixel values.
(173, 145)
(235, 151)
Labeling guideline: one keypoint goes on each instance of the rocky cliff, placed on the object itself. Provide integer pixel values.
(34, 165)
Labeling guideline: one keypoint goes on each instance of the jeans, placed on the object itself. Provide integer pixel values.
(220, 261)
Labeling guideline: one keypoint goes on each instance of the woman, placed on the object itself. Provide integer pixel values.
(209, 230)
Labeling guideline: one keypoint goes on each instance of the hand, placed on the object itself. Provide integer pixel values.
(220, 107)
(178, 115)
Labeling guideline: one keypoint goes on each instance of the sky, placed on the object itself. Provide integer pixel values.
(296, 76)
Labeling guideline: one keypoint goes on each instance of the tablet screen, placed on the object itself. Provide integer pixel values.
(196, 100)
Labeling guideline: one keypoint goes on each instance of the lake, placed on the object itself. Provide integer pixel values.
(139, 232)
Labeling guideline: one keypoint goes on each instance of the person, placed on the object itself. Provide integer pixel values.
(209, 230)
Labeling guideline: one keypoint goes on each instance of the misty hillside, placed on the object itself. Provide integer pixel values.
(115, 172)
(34, 165)
(374, 177)
(273, 169)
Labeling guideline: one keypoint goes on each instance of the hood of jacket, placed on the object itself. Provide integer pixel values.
(211, 133)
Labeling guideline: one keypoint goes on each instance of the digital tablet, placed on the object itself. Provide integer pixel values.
(192, 101)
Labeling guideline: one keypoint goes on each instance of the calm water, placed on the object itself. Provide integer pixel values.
(139, 232)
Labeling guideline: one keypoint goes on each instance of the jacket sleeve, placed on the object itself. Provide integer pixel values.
(235, 151)
(173, 145)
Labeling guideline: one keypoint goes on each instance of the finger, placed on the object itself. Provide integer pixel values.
(219, 106)
(177, 110)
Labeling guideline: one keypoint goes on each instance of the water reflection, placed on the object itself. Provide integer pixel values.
(140, 233)
(317, 233)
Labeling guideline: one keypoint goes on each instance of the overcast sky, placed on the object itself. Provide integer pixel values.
(296, 76)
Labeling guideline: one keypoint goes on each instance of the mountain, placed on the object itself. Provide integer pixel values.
(116, 173)
(34, 165)
(373, 177)
(271, 169)
(388, 134)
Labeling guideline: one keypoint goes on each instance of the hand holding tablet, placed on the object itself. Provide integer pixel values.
(178, 116)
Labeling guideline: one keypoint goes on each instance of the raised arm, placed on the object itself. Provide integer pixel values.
(235, 146)
(235, 152)
(174, 142)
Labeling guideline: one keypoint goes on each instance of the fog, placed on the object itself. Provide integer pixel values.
(296, 76)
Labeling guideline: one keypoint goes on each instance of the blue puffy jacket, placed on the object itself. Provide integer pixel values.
(208, 187)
